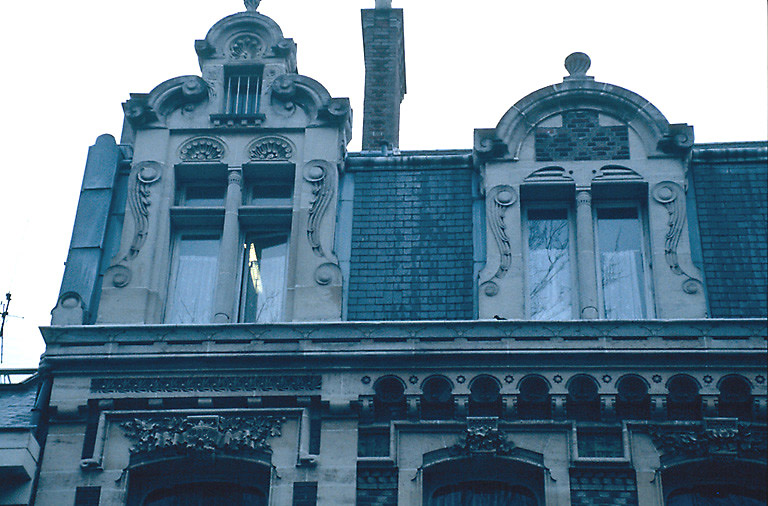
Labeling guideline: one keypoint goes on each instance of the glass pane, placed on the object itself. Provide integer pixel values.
(482, 493)
(549, 269)
(204, 196)
(264, 280)
(621, 263)
(207, 494)
(196, 266)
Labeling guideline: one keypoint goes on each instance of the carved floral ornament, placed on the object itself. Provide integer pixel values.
(207, 384)
(483, 436)
(270, 148)
(738, 439)
(499, 199)
(246, 47)
(670, 195)
(202, 149)
(203, 433)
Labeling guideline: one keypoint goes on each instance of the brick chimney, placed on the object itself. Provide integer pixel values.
(383, 43)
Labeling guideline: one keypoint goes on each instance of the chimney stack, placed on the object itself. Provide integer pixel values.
(383, 43)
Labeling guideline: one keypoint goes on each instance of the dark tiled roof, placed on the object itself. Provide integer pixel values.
(16, 403)
(411, 255)
(731, 189)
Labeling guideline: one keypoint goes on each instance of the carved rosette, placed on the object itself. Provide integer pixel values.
(270, 148)
(736, 439)
(246, 47)
(670, 195)
(483, 436)
(202, 149)
(205, 433)
(499, 199)
(321, 176)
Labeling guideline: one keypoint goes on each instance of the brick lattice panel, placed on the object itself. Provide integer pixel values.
(377, 486)
(582, 138)
(411, 246)
(603, 487)
(732, 206)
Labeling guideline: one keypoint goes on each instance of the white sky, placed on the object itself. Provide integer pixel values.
(68, 66)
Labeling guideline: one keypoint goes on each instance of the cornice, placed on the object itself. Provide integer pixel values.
(726, 152)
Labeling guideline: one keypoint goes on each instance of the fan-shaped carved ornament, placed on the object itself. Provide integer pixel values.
(202, 149)
(270, 148)
(246, 47)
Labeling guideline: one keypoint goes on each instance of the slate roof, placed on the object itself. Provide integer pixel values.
(731, 192)
(16, 403)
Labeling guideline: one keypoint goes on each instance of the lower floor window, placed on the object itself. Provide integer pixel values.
(207, 494)
(482, 493)
(713, 495)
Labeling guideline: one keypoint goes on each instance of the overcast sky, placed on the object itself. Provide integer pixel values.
(68, 66)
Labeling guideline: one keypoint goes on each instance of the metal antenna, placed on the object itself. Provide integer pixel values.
(4, 315)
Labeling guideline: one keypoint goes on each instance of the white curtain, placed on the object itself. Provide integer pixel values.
(271, 269)
(192, 297)
(550, 284)
(622, 293)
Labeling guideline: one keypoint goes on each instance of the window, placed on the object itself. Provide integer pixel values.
(264, 278)
(207, 494)
(241, 96)
(621, 263)
(272, 193)
(208, 195)
(550, 281)
(482, 493)
(193, 279)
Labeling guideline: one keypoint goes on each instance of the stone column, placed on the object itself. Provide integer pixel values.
(226, 290)
(585, 254)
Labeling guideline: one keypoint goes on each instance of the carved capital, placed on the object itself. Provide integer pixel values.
(583, 198)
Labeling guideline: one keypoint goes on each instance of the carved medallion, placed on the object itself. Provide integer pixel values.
(246, 47)
(202, 149)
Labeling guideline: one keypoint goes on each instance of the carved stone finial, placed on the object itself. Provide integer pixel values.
(577, 64)
(252, 5)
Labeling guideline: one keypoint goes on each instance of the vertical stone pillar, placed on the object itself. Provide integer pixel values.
(226, 291)
(585, 248)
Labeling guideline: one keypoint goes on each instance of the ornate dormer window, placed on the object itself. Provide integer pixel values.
(243, 90)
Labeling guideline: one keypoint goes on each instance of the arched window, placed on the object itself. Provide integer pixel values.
(633, 401)
(735, 397)
(484, 397)
(714, 495)
(389, 401)
(683, 402)
(583, 401)
(437, 398)
(206, 494)
(482, 480)
(714, 482)
(482, 493)
(534, 398)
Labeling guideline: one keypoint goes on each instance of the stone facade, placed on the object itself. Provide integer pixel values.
(251, 312)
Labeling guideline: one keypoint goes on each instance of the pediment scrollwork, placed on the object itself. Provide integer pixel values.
(202, 433)
(671, 196)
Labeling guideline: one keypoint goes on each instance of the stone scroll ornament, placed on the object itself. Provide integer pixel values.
(320, 174)
(500, 198)
(147, 173)
(670, 195)
(235, 435)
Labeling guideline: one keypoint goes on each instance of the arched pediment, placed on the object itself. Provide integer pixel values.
(292, 92)
(580, 93)
(173, 94)
(246, 36)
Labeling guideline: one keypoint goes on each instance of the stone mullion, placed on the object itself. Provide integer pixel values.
(224, 305)
(585, 245)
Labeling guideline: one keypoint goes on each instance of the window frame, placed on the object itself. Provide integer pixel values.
(260, 233)
(554, 205)
(178, 237)
(645, 253)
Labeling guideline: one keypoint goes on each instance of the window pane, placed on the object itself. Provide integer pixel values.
(204, 196)
(549, 269)
(621, 263)
(196, 265)
(264, 280)
(243, 94)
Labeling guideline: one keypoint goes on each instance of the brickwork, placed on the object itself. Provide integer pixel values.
(376, 486)
(305, 493)
(384, 76)
(17, 402)
(411, 253)
(582, 138)
(603, 487)
(731, 201)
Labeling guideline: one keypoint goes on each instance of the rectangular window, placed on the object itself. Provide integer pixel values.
(202, 196)
(264, 277)
(550, 293)
(620, 251)
(193, 279)
(272, 193)
(242, 93)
